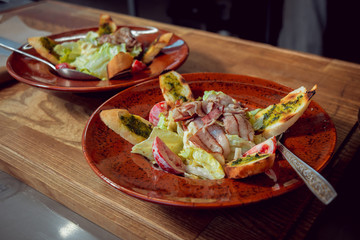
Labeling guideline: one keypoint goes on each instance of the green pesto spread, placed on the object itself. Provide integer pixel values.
(174, 87)
(105, 29)
(49, 45)
(136, 126)
(276, 111)
(248, 158)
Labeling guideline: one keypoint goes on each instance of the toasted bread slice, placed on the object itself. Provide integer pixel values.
(249, 165)
(106, 25)
(45, 47)
(277, 118)
(132, 128)
(156, 46)
(119, 63)
(174, 88)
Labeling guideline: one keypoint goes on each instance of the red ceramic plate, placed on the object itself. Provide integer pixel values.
(312, 138)
(37, 74)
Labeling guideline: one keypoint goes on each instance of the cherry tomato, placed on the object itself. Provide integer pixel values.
(137, 66)
(63, 65)
(155, 112)
(166, 159)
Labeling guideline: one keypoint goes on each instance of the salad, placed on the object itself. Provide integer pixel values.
(103, 53)
(211, 137)
(92, 56)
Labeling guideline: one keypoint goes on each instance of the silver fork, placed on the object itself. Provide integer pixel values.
(320, 187)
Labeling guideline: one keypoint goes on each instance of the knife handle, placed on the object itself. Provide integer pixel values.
(321, 188)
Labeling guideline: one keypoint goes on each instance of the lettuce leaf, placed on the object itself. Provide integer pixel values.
(211, 92)
(236, 141)
(201, 163)
(94, 60)
(86, 55)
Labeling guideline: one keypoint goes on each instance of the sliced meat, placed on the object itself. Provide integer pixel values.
(198, 123)
(204, 140)
(211, 109)
(213, 115)
(213, 140)
(234, 108)
(218, 133)
(178, 115)
(122, 35)
(207, 106)
(230, 124)
(246, 131)
(221, 99)
(187, 111)
(237, 124)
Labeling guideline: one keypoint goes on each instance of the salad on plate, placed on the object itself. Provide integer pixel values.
(209, 137)
(104, 53)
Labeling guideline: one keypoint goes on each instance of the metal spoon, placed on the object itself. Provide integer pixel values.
(178, 43)
(321, 188)
(64, 72)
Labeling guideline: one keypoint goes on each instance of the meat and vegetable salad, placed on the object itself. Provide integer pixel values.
(103, 53)
(208, 137)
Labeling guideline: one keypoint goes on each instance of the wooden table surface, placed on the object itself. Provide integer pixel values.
(41, 130)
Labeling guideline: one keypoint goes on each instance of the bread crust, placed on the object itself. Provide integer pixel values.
(174, 88)
(119, 63)
(106, 25)
(287, 120)
(112, 120)
(156, 47)
(249, 169)
(46, 53)
(283, 124)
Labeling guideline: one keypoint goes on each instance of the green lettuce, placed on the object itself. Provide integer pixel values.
(201, 163)
(86, 55)
(211, 92)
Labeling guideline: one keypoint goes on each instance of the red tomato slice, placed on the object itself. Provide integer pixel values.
(137, 66)
(166, 159)
(63, 65)
(155, 112)
(268, 146)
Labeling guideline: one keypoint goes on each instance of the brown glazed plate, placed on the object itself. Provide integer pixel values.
(312, 138)
(37, 74)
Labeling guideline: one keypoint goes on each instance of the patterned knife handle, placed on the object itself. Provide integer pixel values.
(315, 182)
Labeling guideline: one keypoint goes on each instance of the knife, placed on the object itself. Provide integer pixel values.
(9, 43)
(4, 75)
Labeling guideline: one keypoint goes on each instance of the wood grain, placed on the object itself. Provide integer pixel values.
(84, 190)
(40, 135)
(71, 182)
